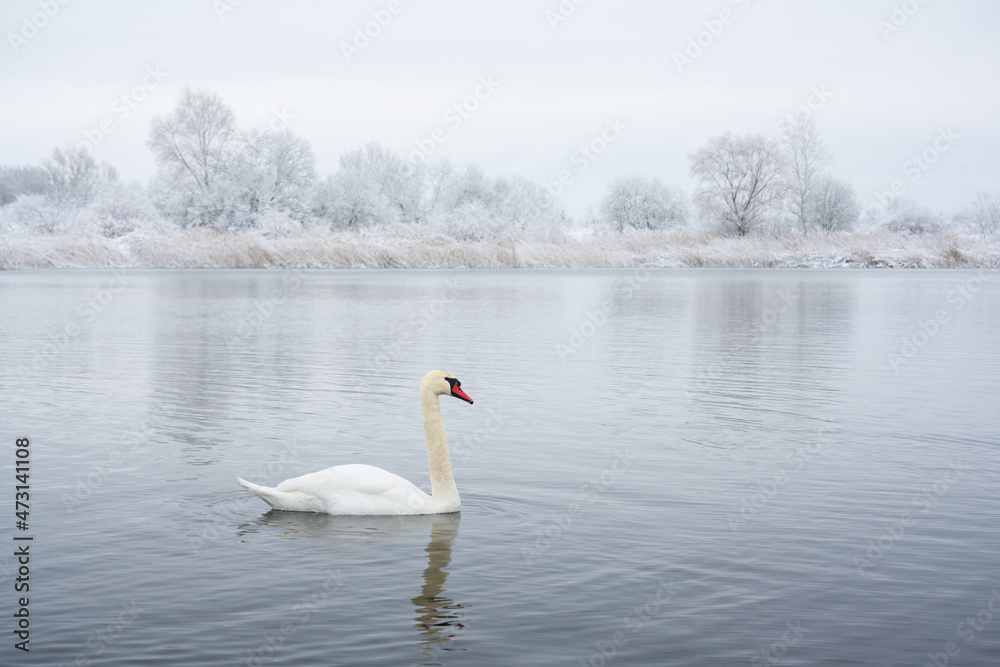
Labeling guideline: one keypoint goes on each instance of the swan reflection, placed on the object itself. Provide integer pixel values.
(438, 618)
(336, 531)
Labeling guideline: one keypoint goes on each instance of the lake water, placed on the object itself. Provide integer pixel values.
(660, 468)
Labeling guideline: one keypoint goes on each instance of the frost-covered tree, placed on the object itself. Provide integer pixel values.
(269, 172)
(54, 196)
(517, 199)
(515, 208)
(192, 140)
(637, 202)
(741, 184)
(122, 209)
(470, 185)
(15, 181)
(833, 205)
(467, 204)
(981, 216)
(212, 174)
(35, 214)
(372, 187)
(193, 146)
(467, 207)
(75, 178)
(904, 216)
(437, 177)
(805, 160)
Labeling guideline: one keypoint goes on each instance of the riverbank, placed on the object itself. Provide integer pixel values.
(410, 247)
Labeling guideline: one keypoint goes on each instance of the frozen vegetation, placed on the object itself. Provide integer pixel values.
(226, 197)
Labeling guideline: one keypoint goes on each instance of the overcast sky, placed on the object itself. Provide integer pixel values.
(885, 96)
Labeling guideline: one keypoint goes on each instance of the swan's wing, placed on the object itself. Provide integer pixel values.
(358, 489)
(359, 478)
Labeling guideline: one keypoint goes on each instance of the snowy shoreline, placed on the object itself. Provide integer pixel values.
(414, 248)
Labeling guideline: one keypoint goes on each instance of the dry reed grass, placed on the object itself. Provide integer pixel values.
(413, 247)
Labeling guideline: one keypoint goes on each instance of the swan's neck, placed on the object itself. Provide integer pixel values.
(443, 486)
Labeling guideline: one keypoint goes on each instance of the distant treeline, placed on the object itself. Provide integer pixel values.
(216, 176)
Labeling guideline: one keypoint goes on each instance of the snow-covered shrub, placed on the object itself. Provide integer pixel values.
(904, 216)
(269, 173)
(523, 205)
(37, 214)
(470, 206)
(274, 222)
(981, 216)
(471, 220)
(638, 202)
(372, 187)
(118, 210)
(124, 209)
(187, 206)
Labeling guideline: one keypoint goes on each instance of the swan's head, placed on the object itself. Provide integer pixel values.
(443, 383)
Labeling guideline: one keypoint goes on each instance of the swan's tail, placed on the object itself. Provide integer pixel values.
(294, 501)
(267, 494)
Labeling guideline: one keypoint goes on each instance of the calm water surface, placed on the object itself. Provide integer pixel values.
(660, 468)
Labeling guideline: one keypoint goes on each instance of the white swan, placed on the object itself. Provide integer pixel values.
(362, 489)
